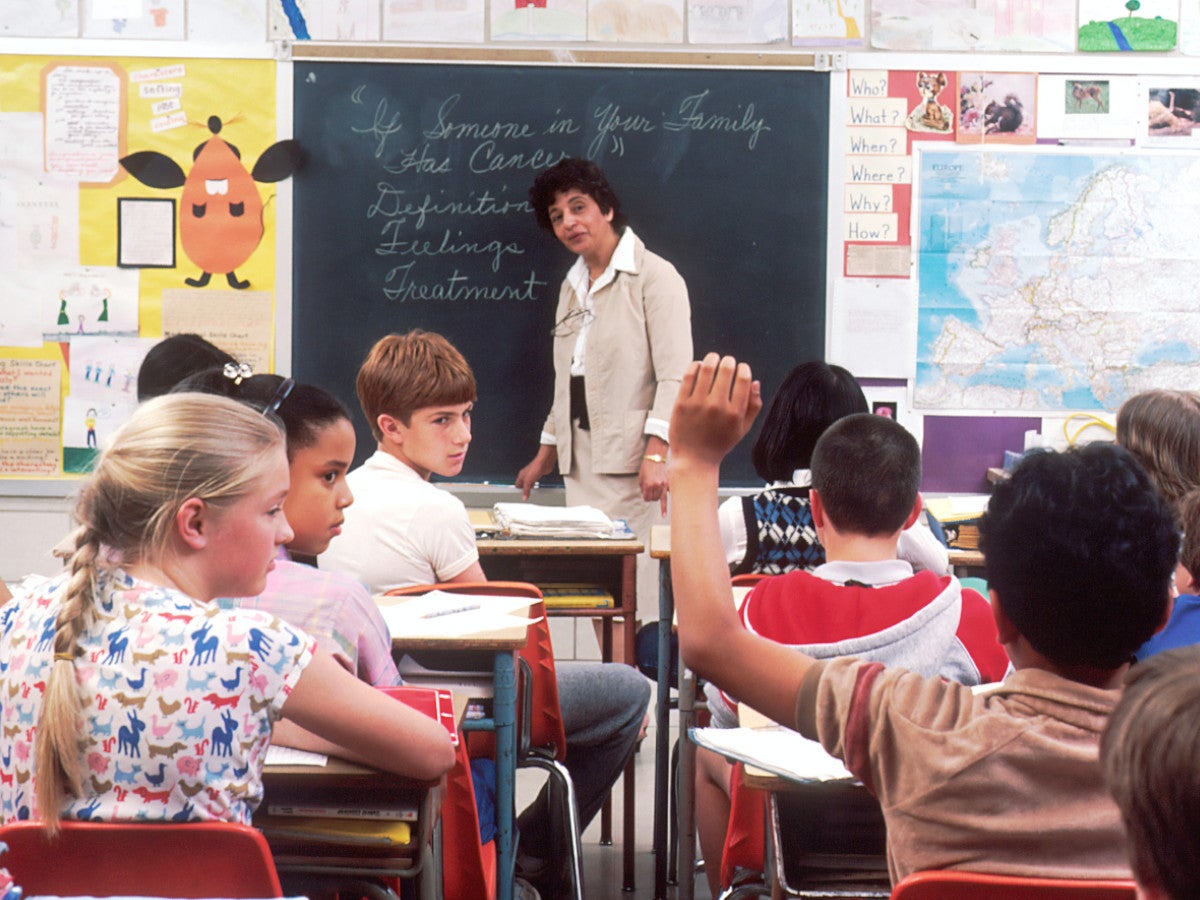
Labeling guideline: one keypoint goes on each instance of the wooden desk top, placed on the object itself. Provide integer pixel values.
(968, 558)
(502, 546)
(337, 768)
(660, 541)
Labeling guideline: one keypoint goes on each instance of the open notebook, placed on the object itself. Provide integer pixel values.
(765, 744)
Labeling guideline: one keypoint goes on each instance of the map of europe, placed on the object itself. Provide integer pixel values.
(1055, 281)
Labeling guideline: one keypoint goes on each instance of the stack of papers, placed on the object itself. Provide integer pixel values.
(446, 614)
(534, 520)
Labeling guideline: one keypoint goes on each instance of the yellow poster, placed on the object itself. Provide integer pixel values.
(124, 178)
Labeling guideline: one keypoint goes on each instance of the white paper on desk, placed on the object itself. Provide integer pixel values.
(535, 520)
(779, 750)
(290, 756)
(446, 614)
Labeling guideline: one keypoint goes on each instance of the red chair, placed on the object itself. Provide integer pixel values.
(949, 884)
(745, 838)
(468, 867)
(542, 742)
(97, 859)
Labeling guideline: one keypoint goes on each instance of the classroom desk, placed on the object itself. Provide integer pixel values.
(660, 549)
(609, 563)
(827, 838)
(336, 860)
(967, 563)
(503, 644)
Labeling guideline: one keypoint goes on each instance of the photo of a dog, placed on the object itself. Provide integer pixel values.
(1086, 97)
(930, 114)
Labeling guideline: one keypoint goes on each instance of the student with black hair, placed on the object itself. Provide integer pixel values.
(333, 607)
(175, 358)
(772, 531)
(1079, 550)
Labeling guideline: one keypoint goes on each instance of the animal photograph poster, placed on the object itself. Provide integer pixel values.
(997, 107)
(1086, 106)
(1170, 108)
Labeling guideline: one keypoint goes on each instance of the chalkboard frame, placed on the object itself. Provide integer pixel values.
(775, 322)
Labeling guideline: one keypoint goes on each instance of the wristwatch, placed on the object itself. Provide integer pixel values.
(655, 457)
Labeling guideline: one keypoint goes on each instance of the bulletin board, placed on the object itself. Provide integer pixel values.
(95, 263)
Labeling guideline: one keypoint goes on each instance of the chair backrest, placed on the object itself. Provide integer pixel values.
(949, 884)
(468, 868)
(97, 859)
(744, 583)
(545, 725)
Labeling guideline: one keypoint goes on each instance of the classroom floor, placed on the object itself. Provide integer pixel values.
(602, 866)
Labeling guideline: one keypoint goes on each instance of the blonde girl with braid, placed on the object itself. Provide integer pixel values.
(125, 692)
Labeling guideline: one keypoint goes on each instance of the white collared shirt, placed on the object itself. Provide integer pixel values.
(622, 261)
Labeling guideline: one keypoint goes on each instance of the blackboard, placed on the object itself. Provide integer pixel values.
(412, 211)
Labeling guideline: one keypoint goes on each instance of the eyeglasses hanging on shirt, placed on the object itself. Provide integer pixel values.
(578, 318)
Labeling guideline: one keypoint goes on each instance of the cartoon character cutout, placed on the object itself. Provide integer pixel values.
(930, 114)
(220, 210)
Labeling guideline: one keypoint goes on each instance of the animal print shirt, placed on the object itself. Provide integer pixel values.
(178, 701)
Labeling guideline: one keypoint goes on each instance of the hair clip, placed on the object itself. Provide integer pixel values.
(272, 408)
(235, 372)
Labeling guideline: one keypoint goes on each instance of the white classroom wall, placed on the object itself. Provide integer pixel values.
(34, 513)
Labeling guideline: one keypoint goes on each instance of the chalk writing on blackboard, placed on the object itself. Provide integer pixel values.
(480, 144)
(413, 211)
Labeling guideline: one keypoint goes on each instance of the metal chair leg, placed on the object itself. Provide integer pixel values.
(673, 818)
(555, 769)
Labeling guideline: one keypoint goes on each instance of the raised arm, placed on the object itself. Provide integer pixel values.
(717, 403)
(340, 715)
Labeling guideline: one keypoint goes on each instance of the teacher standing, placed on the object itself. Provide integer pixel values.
(622, 339)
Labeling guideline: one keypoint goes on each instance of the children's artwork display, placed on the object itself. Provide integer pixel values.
(828, 23)
(1042, 26)
(1133, 25)
(87, 252)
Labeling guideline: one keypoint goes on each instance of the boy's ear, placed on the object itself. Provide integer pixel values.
(1006, 631)
(816, 506)
(1185, 582)
(191, 523)
(918, 508)
(391, 428)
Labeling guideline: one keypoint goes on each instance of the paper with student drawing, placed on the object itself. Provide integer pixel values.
(446, 614)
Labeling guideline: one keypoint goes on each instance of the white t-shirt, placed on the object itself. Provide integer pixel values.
(400, 530)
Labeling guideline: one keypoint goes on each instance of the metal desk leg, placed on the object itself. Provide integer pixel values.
(504, 713)
(662, 737)
(629, 636)
(686, 786)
